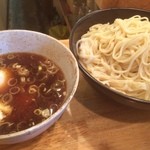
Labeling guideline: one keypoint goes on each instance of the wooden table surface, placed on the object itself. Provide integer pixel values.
(93, 122)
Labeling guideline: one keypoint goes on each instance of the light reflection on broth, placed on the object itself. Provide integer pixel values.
(2, 77)
(32, 88)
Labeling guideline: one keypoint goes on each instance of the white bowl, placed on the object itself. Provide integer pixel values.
(35, 42)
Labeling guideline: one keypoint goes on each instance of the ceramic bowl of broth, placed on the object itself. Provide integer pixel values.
(38, 79)
(92, 25)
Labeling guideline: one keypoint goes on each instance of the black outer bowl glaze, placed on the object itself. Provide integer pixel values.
(82, 26)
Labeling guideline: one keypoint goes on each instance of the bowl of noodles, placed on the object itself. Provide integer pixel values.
(35, 87)
(112, 47)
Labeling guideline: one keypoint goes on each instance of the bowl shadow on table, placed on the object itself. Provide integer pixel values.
(101, 104)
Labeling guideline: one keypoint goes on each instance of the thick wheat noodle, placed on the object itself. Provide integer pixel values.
(118, 55)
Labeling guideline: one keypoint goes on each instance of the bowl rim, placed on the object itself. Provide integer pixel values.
(64, 104)
(80, 20)
(85, 72)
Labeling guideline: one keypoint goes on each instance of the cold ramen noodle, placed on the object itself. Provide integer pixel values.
(32, 88)
(118, 55)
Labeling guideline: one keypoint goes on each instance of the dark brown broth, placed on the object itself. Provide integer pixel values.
(33, 89)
